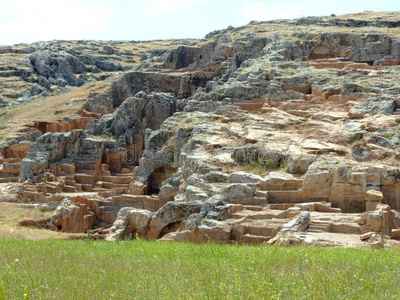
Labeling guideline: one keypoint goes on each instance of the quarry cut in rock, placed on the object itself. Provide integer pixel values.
(285, 135)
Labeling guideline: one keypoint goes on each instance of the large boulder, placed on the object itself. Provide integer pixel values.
(61, 66)
(238, 191)
(298, 164)
(130, 221)
(100, 62)
(99, 103)
(72, 217)
(133, 82)
(133, 116)
(149, 111)
(170, 216)
(208, 230)
(382, 105)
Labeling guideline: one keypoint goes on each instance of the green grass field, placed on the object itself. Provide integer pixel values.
(85, 269)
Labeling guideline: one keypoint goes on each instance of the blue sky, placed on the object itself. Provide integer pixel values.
(39, 20)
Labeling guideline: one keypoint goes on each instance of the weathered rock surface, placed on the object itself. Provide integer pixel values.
(130, 221)
(254, 135)
(72, 217)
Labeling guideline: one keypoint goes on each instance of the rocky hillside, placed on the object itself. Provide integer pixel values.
(279, 132)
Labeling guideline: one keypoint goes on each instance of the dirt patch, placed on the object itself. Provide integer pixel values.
(10, 225)
(40, 224)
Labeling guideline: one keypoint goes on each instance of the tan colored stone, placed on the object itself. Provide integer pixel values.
(374, 195)
(366, 236)
(72, 217)
(395, 234)
(371, 205)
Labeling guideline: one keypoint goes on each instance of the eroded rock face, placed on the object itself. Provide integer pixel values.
(244, 139)
(72, 217)
(136, 114)
(50, 146)
(170, 215)
(61, 67)
(130, 221)
(384, 105)
(99, 103)
(299, 164)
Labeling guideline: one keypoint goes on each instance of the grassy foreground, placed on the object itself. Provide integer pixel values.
(59, 269)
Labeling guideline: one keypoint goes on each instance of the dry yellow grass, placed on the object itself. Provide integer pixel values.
(10, 216)
(12, 213)
(269, 29)
(370, 16)
(15, 118)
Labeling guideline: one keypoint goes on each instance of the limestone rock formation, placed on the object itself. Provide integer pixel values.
(130, 221)
(72, 217)
(275, 132)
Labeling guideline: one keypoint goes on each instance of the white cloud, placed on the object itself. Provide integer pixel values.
(29, 21)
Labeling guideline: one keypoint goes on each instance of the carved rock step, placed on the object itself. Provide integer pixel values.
(316, 226)
(54, 187)
(259, 230)
(87, 187)
(249, 238)
(70, 182)
(85, 171)
(254, 207)
(108, 209)
(280, 182)
(99, 190)
(264, 214)
(114, 209)
(88, 167)
(123, 179)
(9, 179)
(11, 171)
(316, 230)
(336, 223)
(259, 227)
(251, 201)
(84, 178)
(35, 196)
(89, 156)
(108, 213)
(136, 201)
(286, 196)
(110, 185)
(73, 189)
(101, 228)
(100, 224)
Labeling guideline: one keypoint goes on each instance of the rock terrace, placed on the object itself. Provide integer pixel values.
(279, 132)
